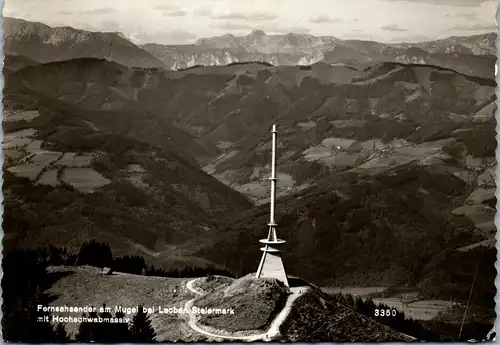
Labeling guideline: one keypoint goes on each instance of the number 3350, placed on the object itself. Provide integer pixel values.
(385, 312)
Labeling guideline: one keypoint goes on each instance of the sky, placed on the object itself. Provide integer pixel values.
(184, 21)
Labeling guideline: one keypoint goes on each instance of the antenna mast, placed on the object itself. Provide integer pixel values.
(273, 178)
(271, 264)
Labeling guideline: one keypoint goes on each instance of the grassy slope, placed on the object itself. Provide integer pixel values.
(166, 212)
(211, 283)
(255, 303)
(87, 288)
(332, 322)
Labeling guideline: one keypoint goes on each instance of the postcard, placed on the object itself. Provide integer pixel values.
(249, 171)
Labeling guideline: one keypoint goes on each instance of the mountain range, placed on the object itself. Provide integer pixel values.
(474, 55)
(42, 43)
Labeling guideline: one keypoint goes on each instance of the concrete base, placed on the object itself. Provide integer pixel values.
(271, 266)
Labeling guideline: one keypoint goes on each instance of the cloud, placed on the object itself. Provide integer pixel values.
(105, 10)
(203, 11)
(11, 13)
(97, 11)
(170, 11)
(289, 29)
(393, 27)
(323, 18)
(412, 39)
(101, 26)
(164, 7)
(475, 27)
(469, 16)
(174, 13)
(252, 16)
(79, 25)
(267, 28)
(233, 26)
(178, 36)
(456, 3)
(109, 25)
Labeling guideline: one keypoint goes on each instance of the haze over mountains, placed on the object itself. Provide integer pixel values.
(379, 145)
(474, 55)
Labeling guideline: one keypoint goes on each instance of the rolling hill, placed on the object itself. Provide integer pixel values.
(330, 117)
(108, 95)
(67, 168)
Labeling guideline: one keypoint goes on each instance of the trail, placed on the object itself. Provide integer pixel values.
(273, 330)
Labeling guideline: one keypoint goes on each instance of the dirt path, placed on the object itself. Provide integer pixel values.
(191, 288)
(273, 330)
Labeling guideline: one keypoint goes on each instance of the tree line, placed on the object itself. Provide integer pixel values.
(138, 331)
(100, 255)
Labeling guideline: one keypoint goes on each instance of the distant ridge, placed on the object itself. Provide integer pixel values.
(473, 55)
(43, 43)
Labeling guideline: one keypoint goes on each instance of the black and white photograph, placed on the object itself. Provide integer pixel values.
(249, 171)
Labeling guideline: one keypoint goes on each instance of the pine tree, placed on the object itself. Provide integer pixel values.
(39, 331)
(61, 336)
(84, 332)
(370, 306)
(141, 329)
(121, 330)
(23, 285)
(102, 329)
(358, 305)
(349, 301)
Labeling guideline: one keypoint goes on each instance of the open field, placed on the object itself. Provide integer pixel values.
(306, 125)
(20, 115)
(50, 167)
(259, 189)
(30, 171)
(481, 215)
(419, 310)
(486, 243)
(49, 178)
(72, 160)
(343, 143)
(83, 179)
(355, 291)
(481, 195)
(330, 157)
